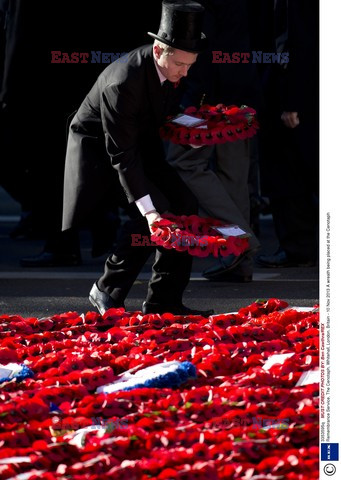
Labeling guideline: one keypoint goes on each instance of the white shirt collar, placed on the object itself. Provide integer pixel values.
(161, 76)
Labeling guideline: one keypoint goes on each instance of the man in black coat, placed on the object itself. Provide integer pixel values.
(118, 123)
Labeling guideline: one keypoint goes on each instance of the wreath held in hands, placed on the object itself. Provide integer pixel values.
(197, 236)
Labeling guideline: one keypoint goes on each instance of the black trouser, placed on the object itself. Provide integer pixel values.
(171, 269)
(289, 160)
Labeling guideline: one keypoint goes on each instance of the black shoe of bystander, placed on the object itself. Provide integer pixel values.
(281, 260)
(51, 259)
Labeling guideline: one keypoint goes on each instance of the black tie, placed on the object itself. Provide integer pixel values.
(166, 85)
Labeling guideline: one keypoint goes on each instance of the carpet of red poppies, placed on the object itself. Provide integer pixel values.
(203, 430)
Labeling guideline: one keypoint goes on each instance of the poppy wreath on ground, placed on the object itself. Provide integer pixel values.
(233, 420)
(196, 236)
(224, 124)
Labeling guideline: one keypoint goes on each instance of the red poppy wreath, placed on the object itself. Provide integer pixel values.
(219, 124)
(197, 236)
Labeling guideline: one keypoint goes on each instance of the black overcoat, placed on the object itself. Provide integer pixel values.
(115, 132)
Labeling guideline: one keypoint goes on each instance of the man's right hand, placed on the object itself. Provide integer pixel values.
(152, 217)
(290, 119)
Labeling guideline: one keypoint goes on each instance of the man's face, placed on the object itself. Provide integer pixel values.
(176, 65)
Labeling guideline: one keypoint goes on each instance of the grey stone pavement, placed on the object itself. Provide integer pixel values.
(32, 292)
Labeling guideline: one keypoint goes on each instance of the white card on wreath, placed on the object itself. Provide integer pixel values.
(309, 377)
(231, 231)
(278, 358)
(187, 120)
(5, 372)
(9, 370)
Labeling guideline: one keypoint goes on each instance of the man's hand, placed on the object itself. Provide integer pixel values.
(152, 217)
(290, 119)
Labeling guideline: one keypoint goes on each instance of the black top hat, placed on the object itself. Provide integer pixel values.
(180, 25)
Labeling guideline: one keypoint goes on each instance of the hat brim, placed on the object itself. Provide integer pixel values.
(193, 47)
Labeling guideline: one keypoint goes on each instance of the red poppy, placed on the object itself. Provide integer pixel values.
(8, 355)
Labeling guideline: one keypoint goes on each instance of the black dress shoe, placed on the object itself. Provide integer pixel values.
(102, 301)
(50, 259)
(225, 264)
(175, 310)
(280, 259)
